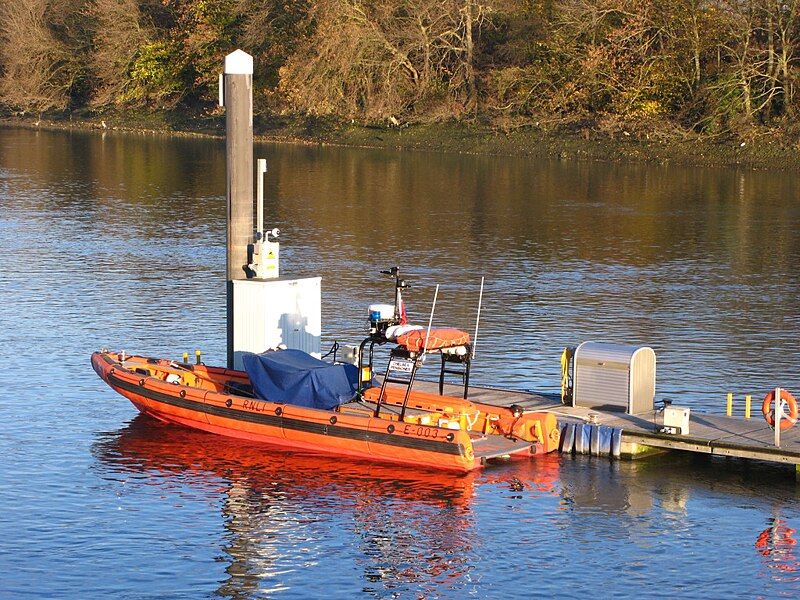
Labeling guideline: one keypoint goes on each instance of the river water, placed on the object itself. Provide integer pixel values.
(112, 240)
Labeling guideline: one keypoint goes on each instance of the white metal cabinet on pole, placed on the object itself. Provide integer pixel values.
(274, 312)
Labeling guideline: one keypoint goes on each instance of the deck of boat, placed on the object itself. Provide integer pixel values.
(714, 434)
(494, 446)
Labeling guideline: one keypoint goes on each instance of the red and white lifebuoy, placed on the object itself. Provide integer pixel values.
(769, 414)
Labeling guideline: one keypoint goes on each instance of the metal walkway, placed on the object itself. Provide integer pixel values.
(719, 435)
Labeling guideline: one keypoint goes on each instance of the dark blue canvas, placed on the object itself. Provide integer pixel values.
(295, 377)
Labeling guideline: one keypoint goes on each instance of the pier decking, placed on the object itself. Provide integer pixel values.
(751, 439)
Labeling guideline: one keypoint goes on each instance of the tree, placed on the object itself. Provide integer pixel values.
(207, 30)
(122, 36)
(355, 63)
(383, 57)
(757, 56)
(42, 45)
(272, 30)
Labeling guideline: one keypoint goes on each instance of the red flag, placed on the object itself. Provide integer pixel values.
(402, 308)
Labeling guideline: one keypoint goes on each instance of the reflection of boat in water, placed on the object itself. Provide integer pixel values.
(144, 446)
(289, 398)
(272, 501)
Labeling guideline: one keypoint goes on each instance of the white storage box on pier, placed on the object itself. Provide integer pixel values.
(614, 376)
(676, 420)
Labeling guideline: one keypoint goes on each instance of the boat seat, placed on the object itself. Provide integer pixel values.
(420, 339)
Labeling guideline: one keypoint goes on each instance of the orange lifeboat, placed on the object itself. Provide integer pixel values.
(433, 431)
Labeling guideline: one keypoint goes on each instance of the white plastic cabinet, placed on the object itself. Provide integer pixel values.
(271, 312)
(614, 376)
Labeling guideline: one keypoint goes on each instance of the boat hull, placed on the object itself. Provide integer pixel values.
(356, 434)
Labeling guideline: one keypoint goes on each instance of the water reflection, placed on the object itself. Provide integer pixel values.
(408, 526)
(675, 258)
(378, 530)
(697, 263)
(778, 545)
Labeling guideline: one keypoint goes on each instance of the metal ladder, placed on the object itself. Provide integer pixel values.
(402, 369)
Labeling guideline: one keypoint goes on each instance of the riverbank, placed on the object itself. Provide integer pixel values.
(765, 150)
(762, 149)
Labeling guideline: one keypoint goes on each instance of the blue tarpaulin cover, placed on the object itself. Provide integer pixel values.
(295, 377)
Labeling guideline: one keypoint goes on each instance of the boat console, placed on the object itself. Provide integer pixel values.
(388, 324)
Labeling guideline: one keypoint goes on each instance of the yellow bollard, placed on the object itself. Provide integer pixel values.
(730, 404)
(197, 353)
(747, 400)
(185, 358)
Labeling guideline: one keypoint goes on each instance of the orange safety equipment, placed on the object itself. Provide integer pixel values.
(769, 414)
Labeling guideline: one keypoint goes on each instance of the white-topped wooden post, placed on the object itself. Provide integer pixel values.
(237, 98)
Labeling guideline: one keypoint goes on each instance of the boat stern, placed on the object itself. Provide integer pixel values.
(540, 428)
